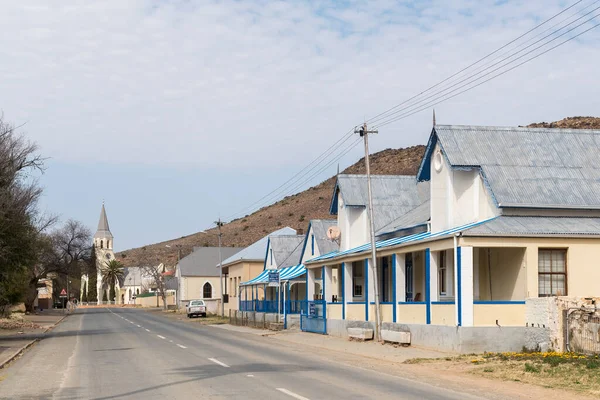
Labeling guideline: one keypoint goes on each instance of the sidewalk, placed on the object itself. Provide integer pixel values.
(16, 340)
(369, 349)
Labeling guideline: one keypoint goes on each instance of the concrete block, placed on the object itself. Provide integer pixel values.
(360, 333)
(395, 336)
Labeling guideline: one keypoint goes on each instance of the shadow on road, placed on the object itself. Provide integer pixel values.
(207, 371)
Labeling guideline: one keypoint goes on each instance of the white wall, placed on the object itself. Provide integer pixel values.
(308, 253)
(353, 224)
(458, 197)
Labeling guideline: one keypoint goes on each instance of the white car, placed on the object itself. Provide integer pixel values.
(196, 307)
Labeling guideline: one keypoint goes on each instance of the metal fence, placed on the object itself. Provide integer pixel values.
(243, 318)
(583, 331)
(270, 306)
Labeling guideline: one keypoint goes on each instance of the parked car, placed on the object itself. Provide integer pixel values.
(195, 307)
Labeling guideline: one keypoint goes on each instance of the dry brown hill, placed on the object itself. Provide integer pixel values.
(295, 211)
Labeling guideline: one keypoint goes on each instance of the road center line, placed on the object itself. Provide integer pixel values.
(219, 362)
(139, 326)
(162, 337)
(182, 346)
(292, 394)
(147, 330)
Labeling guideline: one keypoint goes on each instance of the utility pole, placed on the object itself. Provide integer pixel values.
(365, 132)
(219, 225)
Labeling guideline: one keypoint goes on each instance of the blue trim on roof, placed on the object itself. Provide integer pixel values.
(285, 274)
(382, 244)
(333, 206)
(499, 302)
(424, 173)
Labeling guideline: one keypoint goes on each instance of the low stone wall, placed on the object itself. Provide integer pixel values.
(462, 340)
(551, 313)
(261, 320)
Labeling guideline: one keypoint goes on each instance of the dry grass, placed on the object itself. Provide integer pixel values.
(574, 372)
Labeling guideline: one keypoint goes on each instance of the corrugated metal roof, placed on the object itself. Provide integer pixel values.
(287, 249)
(410, 239)
(393, 195)
(529, 167)
(415, 217)
(204, 261)
(537, 226)
(319, 228)
(256, 251)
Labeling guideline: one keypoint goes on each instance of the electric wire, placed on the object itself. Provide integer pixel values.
(474, 78)
(473, 64)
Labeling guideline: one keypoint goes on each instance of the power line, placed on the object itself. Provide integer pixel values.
(371, 120)
(487, 80)
(307, 169)
(474, 78)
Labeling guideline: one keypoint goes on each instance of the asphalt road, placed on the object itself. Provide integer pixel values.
(125, 354)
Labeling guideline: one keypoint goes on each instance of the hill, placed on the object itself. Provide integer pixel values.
(296, 210)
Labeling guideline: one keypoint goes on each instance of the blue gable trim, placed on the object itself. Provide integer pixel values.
(424, 173)
(305, 241)
(267, 253)
(333, 206)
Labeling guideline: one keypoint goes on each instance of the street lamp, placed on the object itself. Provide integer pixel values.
(219, 224)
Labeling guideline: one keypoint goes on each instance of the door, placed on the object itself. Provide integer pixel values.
(408, 277)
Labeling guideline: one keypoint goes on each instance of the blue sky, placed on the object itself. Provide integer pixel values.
(177, 112)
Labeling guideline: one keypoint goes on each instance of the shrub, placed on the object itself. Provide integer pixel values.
(301, 218)
(278, 223)
(290, 214)
(592, 364)
(531, 368)
(245, 228)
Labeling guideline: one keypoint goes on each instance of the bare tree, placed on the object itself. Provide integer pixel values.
(64, 251)
(158, 280)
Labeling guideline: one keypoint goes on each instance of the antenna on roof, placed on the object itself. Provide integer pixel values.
(434, 117)
(338, 172)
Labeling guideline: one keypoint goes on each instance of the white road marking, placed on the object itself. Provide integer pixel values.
(292, 394)
(250, 376)
(182, 346)
(170, 341)
(219, 362)
(147, 330)
(139, 326)
(162, 337)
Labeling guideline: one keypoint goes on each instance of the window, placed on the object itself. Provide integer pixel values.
(442, 274)
(358, 280)
(102, 244)
(552, 273)
(207, 291)
(312, 245)
(234, 287)
(271, 256)
(239, 283)
(108, 244)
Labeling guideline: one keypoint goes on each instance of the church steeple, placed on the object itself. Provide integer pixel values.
(103, 238)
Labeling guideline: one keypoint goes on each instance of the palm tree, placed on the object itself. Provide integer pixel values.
(111, 273)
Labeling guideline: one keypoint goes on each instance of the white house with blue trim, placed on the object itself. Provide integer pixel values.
(500, 218)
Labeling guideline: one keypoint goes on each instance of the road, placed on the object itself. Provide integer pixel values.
(118, 353)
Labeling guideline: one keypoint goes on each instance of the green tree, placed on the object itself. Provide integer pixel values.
(84, 297)
(20, 222)
(112, 272)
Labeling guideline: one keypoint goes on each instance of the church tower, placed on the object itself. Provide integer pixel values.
(103, 241)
